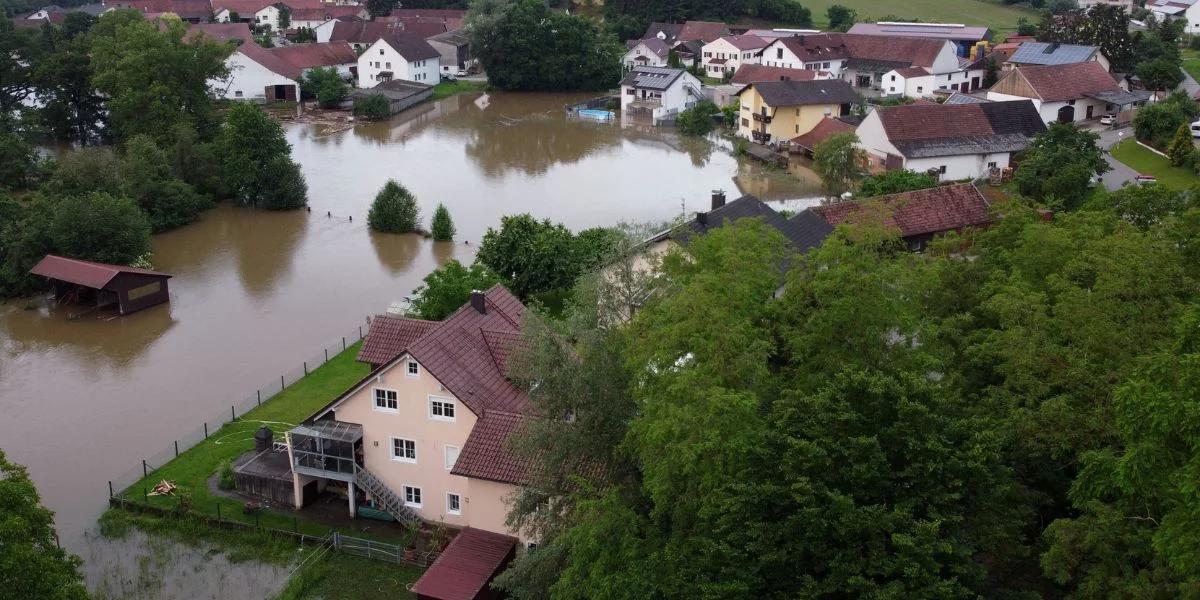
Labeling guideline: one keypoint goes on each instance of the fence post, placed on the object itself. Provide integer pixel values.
(176, 448)
(206, 430)
(110, 489)
(360, 332)
(343, 343)
(232, 415)
(327, 355)
(145, 470)
(259, 394)
(306, 368)
(281, 383)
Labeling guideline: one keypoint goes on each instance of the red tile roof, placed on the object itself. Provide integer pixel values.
(824, 128)
(324, 13)
(702, 30)
(833, 46)
(220, 31)
(185, 9)
(486, 454)
(912, 72)
(244, 8)
(84, 272)
(441, 13)
(466, 566)
(317, 54)
(1055, 83)
(390, 336)
(756, 73)
(922, 212)
(746, 42)
(269, 60)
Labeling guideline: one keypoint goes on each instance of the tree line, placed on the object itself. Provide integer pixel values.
(145, 147)
(1011, 414)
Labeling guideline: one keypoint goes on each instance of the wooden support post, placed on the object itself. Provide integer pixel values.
(110, 489)
(360, 332)
(343, 343)
(176, 448)
(206, 430)
(282, 385)
(145, 469)
(306, 368)
(327, 355)
(259, 393)
(232, 414)
(353, 500)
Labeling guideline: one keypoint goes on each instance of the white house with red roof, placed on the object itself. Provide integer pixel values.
(423, 436)
(650, 52)
(1067, 93)
(724, 55)
(399, 54)
(864, 60)
(1172, 10)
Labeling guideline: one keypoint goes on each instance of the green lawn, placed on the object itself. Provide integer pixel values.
(1148, 163)
(998, 16)
(193, 467)
(458, 86)
(342, 577)
(1191, 63)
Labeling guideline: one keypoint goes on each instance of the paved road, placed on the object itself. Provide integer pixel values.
(1188, 84)
(1121, 174)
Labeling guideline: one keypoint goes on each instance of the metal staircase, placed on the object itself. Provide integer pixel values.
(384, 497)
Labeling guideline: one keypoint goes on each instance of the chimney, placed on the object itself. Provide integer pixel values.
(702, 218)
(477, 302)
(718, 199)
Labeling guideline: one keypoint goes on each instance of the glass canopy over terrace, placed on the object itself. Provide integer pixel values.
(326, 448)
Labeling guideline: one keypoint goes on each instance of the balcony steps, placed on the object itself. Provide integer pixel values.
(384, 497)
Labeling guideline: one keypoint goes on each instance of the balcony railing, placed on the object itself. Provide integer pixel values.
(761, 118)
(761, 137)
(323, 465)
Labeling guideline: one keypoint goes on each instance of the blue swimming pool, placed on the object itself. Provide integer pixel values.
(597, 114)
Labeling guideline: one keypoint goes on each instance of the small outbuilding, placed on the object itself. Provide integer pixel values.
(467, 566)
(129, 288)
(400, 94)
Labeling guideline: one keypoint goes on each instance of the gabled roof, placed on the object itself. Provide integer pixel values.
(1041, 53)
(748, 73)
(324, 13)
(465, 567)
(670, 31)
(84, 272)
(244, 8)
(220, 31)
(927, 130)
(424, 27)
(441, 13)
(744, 42)
(942, 31)
(358, 32)
(390, 336)
(921, 212)
(486, 454)
(456, 37)
(270, 61)
(411, 46)
(186, 9)
(912, 72)
(800, 93)
(1054, 83)
(705, 31)
(824, 128)
(879, 49)
(961, 98)
(316, 54)
(800, 235)
(655, 45)
(651, 78)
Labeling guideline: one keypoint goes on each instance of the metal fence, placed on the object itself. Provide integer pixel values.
(148, 463)
(393, 553)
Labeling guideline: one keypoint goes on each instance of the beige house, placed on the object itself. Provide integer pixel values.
(423, 435)
(773, 111)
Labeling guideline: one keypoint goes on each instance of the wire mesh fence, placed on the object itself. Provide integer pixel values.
(238, 408)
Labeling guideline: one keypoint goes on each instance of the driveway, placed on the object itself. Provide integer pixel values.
(1120, 173)
(1188, 84)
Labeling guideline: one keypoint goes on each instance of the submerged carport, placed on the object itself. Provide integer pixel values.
(130, 288)
(467, 566)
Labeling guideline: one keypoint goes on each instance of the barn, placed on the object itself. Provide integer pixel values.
(81, 281)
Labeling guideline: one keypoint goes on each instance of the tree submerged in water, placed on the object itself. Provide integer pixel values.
(442, 226)
(394, 210)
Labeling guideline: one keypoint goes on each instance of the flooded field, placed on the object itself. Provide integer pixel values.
(254, 293)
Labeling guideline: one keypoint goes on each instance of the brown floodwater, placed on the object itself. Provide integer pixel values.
(84, 399)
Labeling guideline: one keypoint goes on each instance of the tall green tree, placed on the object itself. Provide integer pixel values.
(153, 79)
(1157, 123)
(448, 287)
(32, 565)
(839, 162)
(1182, 146)
(18, 54)
(71, 110)
(1059, 165)
(147, 179)
(1103, 25)
(536, 257)
(394, 210)
(100, 227)
(256, 160)
(841, 18)
(18, 159)
(326, 85)
(442, 226)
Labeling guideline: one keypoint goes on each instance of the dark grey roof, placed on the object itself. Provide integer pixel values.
(1019, 117)
(411, 46)
(961, 98)
(455, 37)
(970, 144)
(875, 66)
(396, 89)
(651, 78)
(1042, 53)
(1121, 97)
(802, 233)
(797, 93)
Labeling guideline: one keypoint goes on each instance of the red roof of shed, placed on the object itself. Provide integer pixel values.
(84, 272)
(466, 566)
(920, 212)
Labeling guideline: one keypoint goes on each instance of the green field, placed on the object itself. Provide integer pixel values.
(1148, 163)
(1191, 63)
(998, 16)
(458, 86)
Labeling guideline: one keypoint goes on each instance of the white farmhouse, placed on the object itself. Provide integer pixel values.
(256, 74)
(1030, 54)
(724, 55)
(650, 52)
(1173, 10)
(305, 57)
(1067, 93)
(658, 93)
(953, 141)
(258, 12)
(399, 55)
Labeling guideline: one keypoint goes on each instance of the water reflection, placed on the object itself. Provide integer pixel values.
(31, 326)
(264, 244)
(396, 251)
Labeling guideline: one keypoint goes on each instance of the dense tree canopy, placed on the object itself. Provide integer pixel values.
(839, 162)
(394, 210)
(31, 563)
(1157, 123)
(536, 256)
(449, 287)
(523, 45)
(256, 160)
(1058, 167)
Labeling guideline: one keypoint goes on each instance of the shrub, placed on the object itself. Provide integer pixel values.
(894, 182)
(225, 477)
(326, 86)
(449, 287)
(1181, 147)
(284, 187)
(372, 106)
(442, 225)
(394, 210)
(697, 120)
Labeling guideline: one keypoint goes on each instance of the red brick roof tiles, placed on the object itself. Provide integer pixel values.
(317, 54)
(921, 212)
(833, 46)
(390, 336)
(755, 73)
(84, 272)
(486, 454)
(1055, 83)
(466, 566)
(821, 132)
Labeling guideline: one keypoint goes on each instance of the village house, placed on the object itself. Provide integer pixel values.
(723, 56)
(688, 31)
(1041, 53)
(959, 141)
(191, 11)
(359, 34)
(806, 143)
(918, 216)
(399, 55)
(966, 38)
(305, 57)
(864, 60)
(314, 17)
(773, 111)
(455, 50)
(754, 73)
(258, 75)
(1175, 10)
(1067, 93)
(650, 52)
(259, 12)
(658, 93)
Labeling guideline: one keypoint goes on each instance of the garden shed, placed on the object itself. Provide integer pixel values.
(81, 281)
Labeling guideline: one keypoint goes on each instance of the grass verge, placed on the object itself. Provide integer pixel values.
(970, 12)
(191, 470)
(1191, 63)
(1148, 163)
(458, 86)
(350, 577)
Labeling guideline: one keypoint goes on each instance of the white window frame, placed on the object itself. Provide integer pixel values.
(446, 456)
(445, 402)
(385, 408)
(408, 368)
(404, 459)
(419, 494)
(449, 509)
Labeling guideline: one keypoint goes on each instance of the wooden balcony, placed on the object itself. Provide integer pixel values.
(761, 118)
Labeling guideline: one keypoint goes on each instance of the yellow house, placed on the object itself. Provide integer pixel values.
(774, 111)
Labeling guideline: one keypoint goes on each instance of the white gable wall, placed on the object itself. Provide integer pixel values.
(324, 31)
(247, 79)
(734, 58)
(651, 59)
(380, 57)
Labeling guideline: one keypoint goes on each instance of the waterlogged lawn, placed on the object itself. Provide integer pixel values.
(449, 88)
(343, 577)
(994, 14)
(191, 470)
(1146, 162)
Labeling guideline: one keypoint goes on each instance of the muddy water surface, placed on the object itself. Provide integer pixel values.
(83, 400)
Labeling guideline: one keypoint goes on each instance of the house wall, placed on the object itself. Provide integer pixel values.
(1049, 110)
(874, 140)
(734, 58)
(895, 84)
(136, 291)
(489, 505)
(325, 30)
(381, 57)
(248, 80)
(453, 57)
(786, 123)
(778, 55)
(674, 99)
(651, 59)
(966, 166)
(412, 421)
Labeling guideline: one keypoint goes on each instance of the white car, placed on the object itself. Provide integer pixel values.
(1195, 127)
(1108, 119)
